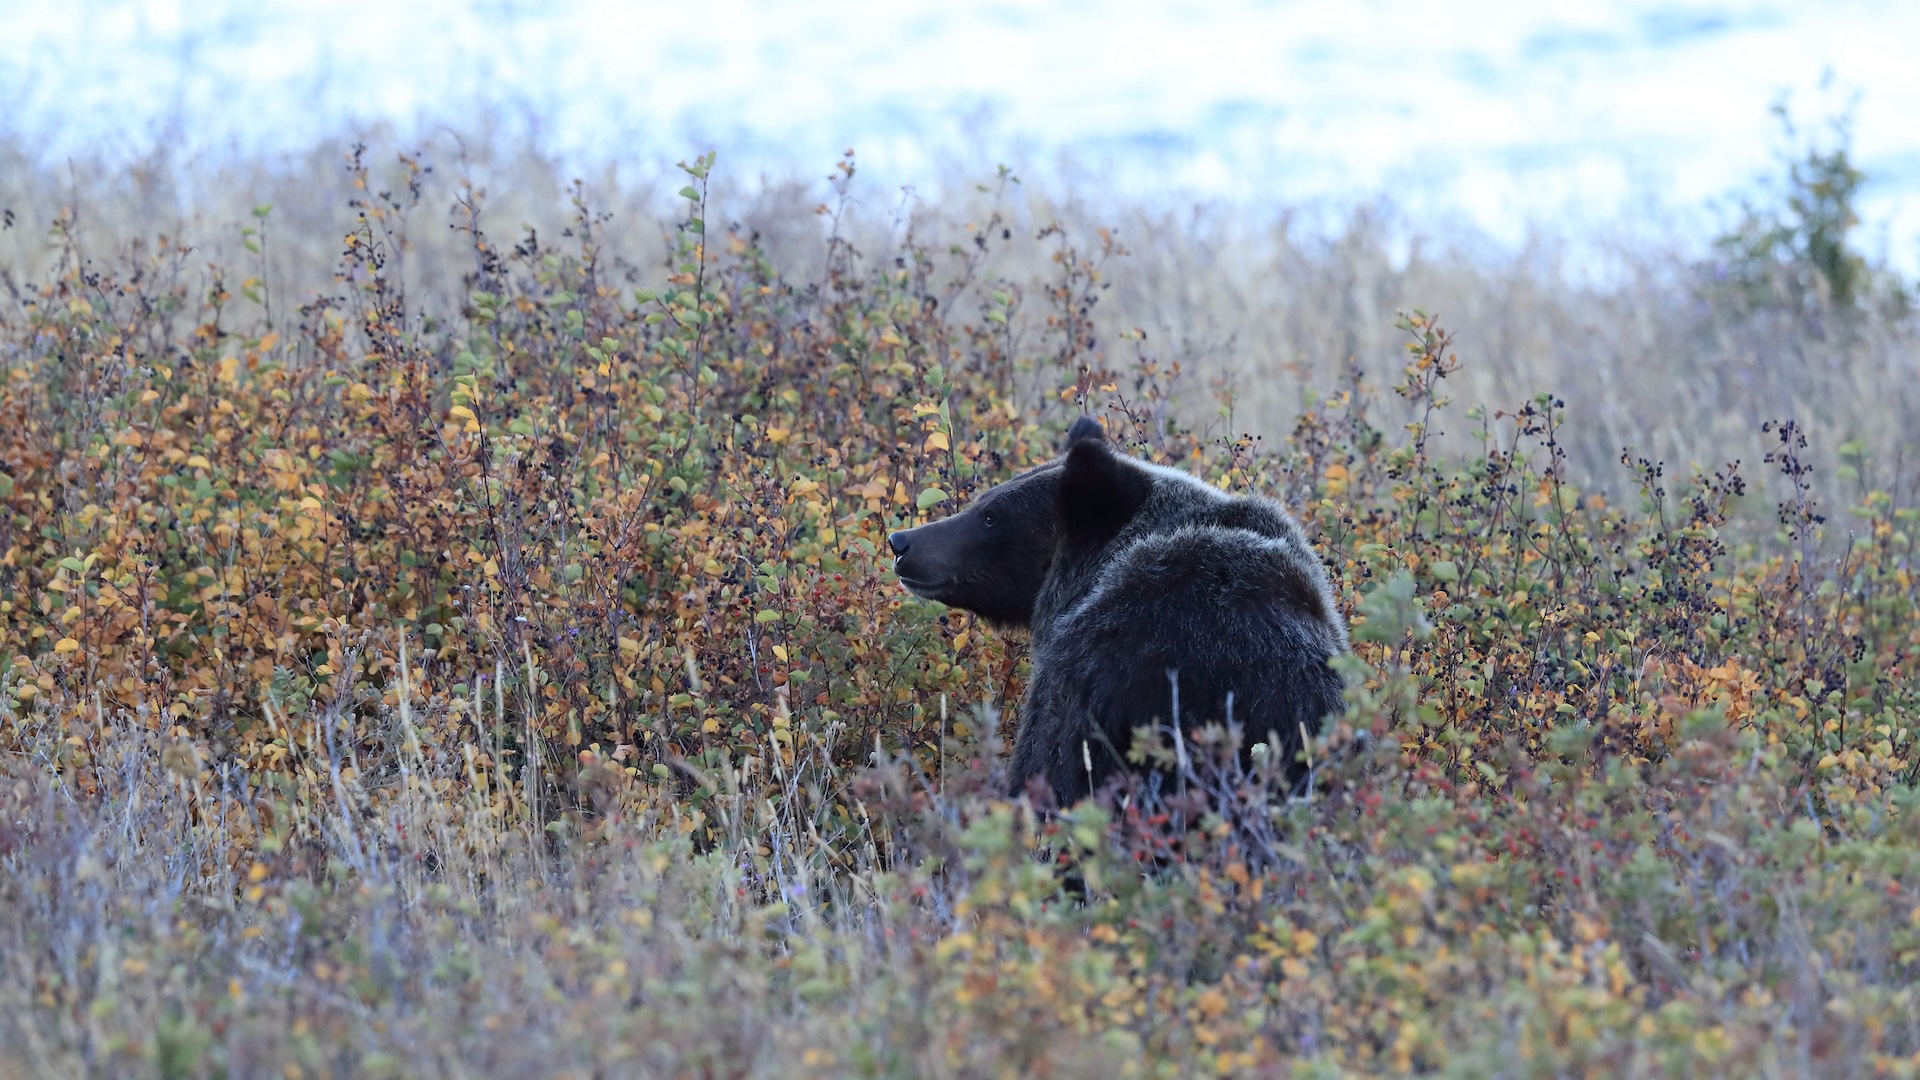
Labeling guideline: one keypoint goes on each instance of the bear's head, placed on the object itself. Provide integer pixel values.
(993, 557)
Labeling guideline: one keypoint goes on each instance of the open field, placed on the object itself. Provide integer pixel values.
(433, 648)
(1642, 338)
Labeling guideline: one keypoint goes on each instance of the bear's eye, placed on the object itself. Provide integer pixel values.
(988, 518)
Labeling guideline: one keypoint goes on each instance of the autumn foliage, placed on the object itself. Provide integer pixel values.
(523, 690)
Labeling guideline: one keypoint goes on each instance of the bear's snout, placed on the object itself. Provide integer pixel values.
(908, 557)
(922, 560)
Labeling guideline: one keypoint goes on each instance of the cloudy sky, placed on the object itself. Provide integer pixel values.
(1505, 111)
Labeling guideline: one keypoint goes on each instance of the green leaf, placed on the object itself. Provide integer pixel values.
(767, 616)
(73, 564)
(930, 498)
(1391, 612)
(688, 193)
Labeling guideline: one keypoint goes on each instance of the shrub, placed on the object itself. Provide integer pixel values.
(1801, 254)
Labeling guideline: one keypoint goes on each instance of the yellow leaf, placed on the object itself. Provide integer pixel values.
(936, 441)
(66, 645)
(461, 412)
(199, 461)
(778, 435)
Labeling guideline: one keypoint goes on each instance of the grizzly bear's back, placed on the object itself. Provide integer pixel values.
(1239, 620)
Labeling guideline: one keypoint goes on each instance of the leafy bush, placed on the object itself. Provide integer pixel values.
(1801, 254)
(525, 693)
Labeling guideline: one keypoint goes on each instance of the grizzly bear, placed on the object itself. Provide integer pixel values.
(1135, 579)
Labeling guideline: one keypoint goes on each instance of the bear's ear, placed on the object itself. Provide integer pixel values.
(1083, 429)
(1100, 491)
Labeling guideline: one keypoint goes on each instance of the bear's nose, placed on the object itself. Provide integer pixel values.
(898, 542)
